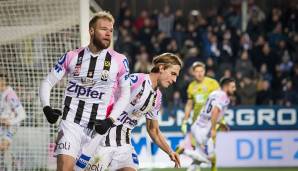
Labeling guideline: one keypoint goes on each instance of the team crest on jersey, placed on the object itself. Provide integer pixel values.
(107, 63)
(104, 75)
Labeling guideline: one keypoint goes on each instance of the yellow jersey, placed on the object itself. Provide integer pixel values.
(199, 92)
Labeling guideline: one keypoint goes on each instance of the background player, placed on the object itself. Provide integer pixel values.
(94, 73)
(197, 93)
(116, 150)
(204, 128)
(11, 114)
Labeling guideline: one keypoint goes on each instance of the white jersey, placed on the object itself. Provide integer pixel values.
(92, 81)
(144, 101)
(217, 98)
(11, 107)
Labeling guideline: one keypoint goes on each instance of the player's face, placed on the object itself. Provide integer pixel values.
(168, 76)
(199, 73)
(101, 34)
(2, 85)
(231, 88)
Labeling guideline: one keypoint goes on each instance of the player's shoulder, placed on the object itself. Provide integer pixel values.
(75, 52)
(10, 93)
(210, 80)
(158, 99)
(219, 94)
(159, 94)
(192, 83)
(137, 79)
(116, 54)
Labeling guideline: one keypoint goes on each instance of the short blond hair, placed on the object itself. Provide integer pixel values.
(166, 59)
(198, 64)
(101, 15)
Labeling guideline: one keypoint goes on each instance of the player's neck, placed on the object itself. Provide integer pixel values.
(153, 78)
(93, 49)
(200, 81)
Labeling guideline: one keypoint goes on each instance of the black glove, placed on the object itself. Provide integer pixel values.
(102, 126)
(52, 115)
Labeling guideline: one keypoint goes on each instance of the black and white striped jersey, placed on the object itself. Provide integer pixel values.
(144, 102)
(92, 82)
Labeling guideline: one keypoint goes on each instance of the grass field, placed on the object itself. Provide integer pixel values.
(237, 169)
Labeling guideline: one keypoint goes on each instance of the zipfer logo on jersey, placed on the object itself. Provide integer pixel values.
(84, 91)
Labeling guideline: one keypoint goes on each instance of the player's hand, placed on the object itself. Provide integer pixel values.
(102, 126)
(184, 127)
(224, 127)
(175, 158)
(52, 115)
(213, 134)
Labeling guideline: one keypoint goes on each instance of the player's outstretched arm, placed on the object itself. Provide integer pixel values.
(158, 138)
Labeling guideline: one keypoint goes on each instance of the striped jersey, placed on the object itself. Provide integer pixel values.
(217, 98)
(92, 81)
(144, 102)
(11, 107)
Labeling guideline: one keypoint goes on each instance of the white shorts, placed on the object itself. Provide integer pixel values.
(71, 137)
(202, 137)
(114, 158)
(201, 134)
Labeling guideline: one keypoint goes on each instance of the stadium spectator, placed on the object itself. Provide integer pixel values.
(248, 91)
(166, 21)
(217, 34)
(264, 93)
(244, 65)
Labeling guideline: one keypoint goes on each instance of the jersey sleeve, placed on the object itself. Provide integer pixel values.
(220, 101)
(153, 114)
(61, 66)
(123, 74)
(189, 91)
(124, 96)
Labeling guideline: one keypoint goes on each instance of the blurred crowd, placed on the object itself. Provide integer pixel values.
(263, 58)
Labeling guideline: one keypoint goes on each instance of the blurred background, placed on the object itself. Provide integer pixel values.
(253, 41)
